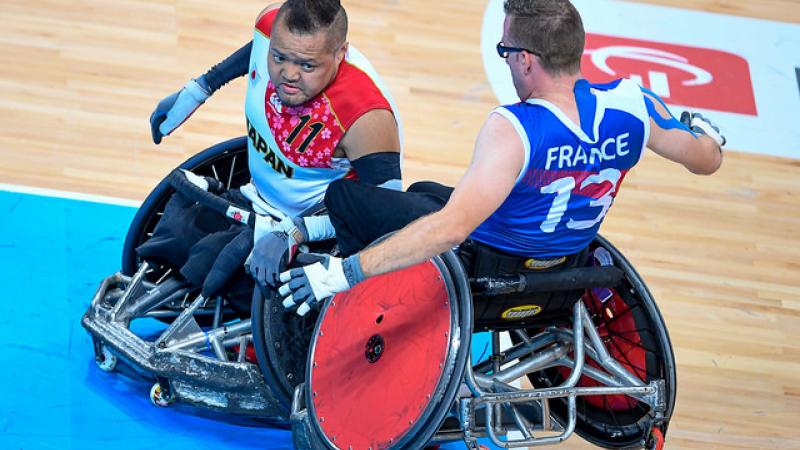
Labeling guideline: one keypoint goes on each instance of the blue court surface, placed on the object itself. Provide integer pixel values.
(53, 254)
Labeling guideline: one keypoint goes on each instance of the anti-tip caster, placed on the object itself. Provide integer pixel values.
(107, 361)
(159, 397)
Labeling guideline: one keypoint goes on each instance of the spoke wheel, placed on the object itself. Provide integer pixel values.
(227, 163)
(634, 333)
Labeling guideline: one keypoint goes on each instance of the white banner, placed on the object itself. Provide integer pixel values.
(743, 73)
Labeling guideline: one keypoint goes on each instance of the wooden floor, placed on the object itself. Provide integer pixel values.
(79, 79)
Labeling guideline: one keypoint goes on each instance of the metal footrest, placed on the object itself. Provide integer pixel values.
(235, 387)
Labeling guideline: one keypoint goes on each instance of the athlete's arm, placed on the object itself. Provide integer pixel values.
(175, 109)
(497, 161)
(496, 164)
(379, 169)
(374, 132)
(679, 142)
(237, 64)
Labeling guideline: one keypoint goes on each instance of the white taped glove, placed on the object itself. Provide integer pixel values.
(702, 125)
(312, 284)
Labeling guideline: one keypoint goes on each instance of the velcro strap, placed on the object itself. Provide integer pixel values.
(706, 128)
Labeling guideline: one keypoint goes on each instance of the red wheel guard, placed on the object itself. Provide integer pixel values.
(617, 327)
(379, 357)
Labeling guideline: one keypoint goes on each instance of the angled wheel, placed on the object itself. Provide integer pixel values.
(226, 162)
(388, 357)
(631, 327)
(282, 338)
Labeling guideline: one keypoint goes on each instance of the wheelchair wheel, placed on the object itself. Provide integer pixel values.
(226, 161)
(281, 340)
(634, 333)
(388, 357)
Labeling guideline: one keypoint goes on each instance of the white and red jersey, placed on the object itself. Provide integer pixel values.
(290, 149)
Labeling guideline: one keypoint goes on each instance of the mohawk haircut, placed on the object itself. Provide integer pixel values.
(312, 16)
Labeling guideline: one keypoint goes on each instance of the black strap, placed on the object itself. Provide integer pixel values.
(377, 168)
(234, 66)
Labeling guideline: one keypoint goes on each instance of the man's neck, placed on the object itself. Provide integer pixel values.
(559, 91)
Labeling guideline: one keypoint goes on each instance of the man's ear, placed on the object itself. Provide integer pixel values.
(524, 61)
(342, 52)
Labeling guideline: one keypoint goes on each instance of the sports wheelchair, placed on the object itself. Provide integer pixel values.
(388, 364)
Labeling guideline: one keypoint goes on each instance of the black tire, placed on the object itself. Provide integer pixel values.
(283, 361)
(616, 421)
(281, 340)
(226, 161)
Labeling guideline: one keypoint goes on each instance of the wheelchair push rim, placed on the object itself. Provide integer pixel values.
(383, 371)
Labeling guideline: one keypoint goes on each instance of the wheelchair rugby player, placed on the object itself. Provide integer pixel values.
(316, 111)
(524, 220)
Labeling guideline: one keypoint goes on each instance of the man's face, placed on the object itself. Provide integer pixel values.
(301, 65)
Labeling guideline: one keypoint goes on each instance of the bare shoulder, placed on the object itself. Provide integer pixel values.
(498, 136)
(375, 131)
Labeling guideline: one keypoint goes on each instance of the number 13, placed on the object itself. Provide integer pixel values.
(563, 189)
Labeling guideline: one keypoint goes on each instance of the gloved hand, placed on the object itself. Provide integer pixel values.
(271, 254)
(275, 250)
(172, 111)
(701, 125)
(274, 245)
(196, 180)
(204, 183)
(321, 277)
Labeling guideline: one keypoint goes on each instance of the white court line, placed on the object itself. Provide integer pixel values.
(69, 195)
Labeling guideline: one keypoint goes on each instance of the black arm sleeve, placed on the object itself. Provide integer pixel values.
(378, 168)
(233, 66)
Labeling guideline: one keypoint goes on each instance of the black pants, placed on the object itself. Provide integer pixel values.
(361, 213)
(191, 237)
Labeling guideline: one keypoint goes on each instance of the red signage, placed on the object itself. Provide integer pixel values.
(690, 76)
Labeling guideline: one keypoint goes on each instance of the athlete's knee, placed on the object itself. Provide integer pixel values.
(337, 192)
(420, 186)
(432, 188)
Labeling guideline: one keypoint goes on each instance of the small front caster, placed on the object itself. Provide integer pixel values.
(106, 361)
(656, 439)
(159, 397)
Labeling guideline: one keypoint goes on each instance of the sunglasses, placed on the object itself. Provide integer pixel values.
(503, 51)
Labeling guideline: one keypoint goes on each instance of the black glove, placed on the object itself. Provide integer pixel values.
(271, 255)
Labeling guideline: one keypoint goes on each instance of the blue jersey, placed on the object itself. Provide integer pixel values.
(571, 173)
